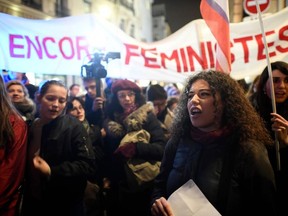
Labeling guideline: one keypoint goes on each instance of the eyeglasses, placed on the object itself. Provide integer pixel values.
(124, 95)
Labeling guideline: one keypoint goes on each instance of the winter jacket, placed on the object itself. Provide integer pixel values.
(234, 181)
(12, 166)
(129, 197)
(66, 148)
(93, 117)
(115, 131)
(166, 119)
(27, 109)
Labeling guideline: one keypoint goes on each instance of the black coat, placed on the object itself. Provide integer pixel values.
(93, 117)
(235, 183)
(115, 131)
(66, 148)
(127, 198)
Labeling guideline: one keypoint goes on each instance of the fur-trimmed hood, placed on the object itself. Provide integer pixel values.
(27, 109)
(133, 122)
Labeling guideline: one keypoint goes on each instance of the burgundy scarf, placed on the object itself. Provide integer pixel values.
(127, 112)
(209, 137)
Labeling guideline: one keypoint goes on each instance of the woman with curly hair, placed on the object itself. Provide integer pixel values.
(218, 141)
(276, 123)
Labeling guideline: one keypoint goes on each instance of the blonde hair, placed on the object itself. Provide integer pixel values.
(17, 82)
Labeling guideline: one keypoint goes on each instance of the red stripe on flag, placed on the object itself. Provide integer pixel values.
(221, 31)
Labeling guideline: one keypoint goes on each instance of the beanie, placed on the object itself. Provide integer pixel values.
(156, 92)
(125, 84)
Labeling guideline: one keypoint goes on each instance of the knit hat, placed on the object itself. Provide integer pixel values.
(156, 92)
(125, 84)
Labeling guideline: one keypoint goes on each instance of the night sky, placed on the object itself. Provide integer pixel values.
(181, 12)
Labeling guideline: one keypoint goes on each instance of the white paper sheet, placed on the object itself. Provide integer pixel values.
(188, 200)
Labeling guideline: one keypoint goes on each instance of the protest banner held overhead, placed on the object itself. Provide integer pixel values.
(63, 45)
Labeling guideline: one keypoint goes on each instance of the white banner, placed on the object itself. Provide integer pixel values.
(63, 45)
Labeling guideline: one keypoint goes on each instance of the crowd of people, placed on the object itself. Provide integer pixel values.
(125, 150)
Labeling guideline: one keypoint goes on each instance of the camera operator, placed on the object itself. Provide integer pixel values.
(92, 73)
(94, 101)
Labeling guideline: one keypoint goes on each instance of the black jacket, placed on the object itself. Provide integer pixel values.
(116, 131)
(235, 182)
(93, 117)
(130, 198)
(66, 148)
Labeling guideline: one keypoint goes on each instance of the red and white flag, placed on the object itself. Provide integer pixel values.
(216, 15)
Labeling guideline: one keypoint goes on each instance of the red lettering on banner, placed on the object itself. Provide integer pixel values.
(129, 54)
(147, 59)
(270, 44)
(180, 59)
(45, 40)
(69, 44)
(68, 47)
(183, 58)
(211, 56)
(36, 47)
(173, 56)
(13, 46)
(243, 41)
(261, 48)
(232, 54)
(184, 62)
(192, 54)
(80, 47)
(283, 37)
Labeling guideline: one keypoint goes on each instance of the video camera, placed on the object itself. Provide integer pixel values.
(94, 68)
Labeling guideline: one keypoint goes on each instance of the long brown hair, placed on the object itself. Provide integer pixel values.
(6, 109)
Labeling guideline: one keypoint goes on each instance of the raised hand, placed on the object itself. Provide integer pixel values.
(280, 126)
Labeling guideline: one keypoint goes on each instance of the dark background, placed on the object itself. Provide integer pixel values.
(180, 12)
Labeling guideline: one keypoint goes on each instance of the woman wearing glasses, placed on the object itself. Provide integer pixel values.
(133, 133)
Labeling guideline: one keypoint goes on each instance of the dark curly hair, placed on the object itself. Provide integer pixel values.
(238, 112)
(113, 105)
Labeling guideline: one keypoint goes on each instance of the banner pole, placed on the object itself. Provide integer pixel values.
(277, 148)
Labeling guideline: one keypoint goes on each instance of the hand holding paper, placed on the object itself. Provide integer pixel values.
(161, 207)
(188, 200)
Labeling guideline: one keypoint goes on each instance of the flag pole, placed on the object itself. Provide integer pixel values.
(277, 148)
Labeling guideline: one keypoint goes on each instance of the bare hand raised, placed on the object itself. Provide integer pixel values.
(280, 126)
(97, 103)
